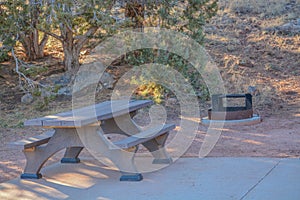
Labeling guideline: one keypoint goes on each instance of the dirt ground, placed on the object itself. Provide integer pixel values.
(246, 54)
(274, 137)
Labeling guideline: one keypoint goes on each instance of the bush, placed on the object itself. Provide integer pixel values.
(33, 71)
(156, 91)
(4, 55)
(187, 17)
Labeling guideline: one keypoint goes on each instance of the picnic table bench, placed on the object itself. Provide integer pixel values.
(85, 127)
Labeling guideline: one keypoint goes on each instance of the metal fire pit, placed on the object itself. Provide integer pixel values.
(231, 115)
(219, 112)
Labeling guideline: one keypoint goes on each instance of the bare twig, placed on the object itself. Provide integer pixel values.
(30, 84)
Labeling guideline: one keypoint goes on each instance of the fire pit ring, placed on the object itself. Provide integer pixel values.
(232, 115)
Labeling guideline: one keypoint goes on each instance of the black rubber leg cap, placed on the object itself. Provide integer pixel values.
(31, 176)
(70, 160)
(133, 177)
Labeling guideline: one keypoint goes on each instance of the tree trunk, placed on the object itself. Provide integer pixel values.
(34, 49)
(71, 57)
(72, 46)
(71, 52)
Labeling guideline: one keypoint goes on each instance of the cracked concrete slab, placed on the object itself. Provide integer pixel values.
(283, 182)
(187, 178)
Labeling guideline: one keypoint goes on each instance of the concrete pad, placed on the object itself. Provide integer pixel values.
(283, 182)
(188, 178)
(256, 119)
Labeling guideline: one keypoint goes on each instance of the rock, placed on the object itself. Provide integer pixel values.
(246, 63)
(210, 29)
(107, 81)
(289, 28)
(99, 88)
(27, 98)
(231, 48)
(45, 93)
(253, 90)
(57, 79)
(248, 49)
(86, 78)
(172, 100)
(64, 79)
(292, 27)
(64, 91)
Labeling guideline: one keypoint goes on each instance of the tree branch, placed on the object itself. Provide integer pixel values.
(81, 40)
(44, 41)
(29, 83)
(52, 35)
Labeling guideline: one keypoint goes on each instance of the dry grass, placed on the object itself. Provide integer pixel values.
(263, 7)
(250, 56)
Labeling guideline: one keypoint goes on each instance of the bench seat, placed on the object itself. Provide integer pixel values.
(144, 136)
(126, 143)
(158, 134)
(34, 141)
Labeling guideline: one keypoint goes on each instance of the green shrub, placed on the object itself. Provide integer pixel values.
(4, 55)
(156, 91)
(33, 71)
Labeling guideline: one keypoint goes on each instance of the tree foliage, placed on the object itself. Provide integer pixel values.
(187, 17)
(20, 21)
(74, 22)
(77, 21)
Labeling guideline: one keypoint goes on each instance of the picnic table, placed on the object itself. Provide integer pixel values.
(86, 127)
